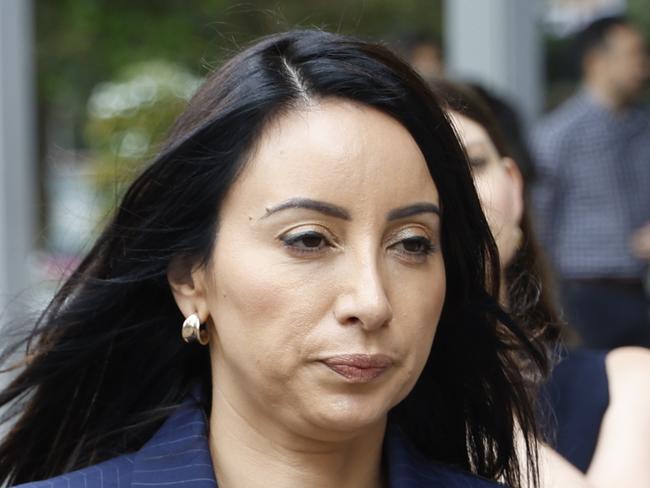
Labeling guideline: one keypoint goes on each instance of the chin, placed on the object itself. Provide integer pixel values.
(350, 414)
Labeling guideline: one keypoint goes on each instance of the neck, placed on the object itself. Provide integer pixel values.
(605, 95)
(246, 452)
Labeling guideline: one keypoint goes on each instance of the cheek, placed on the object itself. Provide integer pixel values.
(499, 201)
(263, 308)
(417, 310)
(495, 192)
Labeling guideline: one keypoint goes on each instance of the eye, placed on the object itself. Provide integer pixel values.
(414, 249)
(306, 242)
(478, 163)
(416, 245)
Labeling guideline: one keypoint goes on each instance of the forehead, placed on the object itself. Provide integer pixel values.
(624, 35)
(338, 151)
(469, 131)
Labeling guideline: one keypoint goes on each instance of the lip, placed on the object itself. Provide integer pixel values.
(359, 368)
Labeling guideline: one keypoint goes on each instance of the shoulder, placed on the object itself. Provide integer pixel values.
(628, 372)
(112, 473)
(624, 441)
(178, 453)
(571, 113)
(561, 123)
(624, 357)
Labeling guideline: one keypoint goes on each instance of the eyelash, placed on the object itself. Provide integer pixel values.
(291, 240)
(478, 163)
(426, 246)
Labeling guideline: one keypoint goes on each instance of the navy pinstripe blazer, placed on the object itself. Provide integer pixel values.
(178, 456)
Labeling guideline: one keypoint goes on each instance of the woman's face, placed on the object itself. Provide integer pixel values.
(327, 280)
(498, 184)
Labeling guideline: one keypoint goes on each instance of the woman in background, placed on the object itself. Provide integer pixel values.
(311, 225)
(600, 401)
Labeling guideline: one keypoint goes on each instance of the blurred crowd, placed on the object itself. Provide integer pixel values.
(587, 169)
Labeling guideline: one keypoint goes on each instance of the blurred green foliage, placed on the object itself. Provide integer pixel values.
(98, 61)
(83, 42)
(128, 117)
(639, 11)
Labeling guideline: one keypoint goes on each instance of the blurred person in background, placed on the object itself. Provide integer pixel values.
(599, 401)
(592, 192)
(510, 124)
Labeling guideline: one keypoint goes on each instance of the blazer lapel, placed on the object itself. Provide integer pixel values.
(178, 454)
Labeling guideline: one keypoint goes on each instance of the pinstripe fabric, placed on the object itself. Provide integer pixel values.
(178, 456)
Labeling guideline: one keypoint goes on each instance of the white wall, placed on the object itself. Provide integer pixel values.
(17, 150)
(498, 43)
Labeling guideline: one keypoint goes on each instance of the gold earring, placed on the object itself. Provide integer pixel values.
(194, 331)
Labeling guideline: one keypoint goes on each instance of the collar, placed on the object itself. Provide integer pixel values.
(629, 115)
(179, 453)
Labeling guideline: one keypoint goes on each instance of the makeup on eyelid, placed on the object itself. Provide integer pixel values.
(311, 239)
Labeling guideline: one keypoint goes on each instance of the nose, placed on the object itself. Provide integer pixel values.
(363, 299)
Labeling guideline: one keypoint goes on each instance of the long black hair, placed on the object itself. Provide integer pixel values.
(105, 363)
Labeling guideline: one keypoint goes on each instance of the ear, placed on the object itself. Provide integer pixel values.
(516, 187)
(594, 61)
(187, 282)
(587, 62)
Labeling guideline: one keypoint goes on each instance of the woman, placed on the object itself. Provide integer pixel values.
(311, 221)
(600, 400)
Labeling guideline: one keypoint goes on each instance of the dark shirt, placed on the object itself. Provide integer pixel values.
(577, 396)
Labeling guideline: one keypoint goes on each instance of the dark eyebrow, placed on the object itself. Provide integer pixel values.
(475, 144)
(309, 204)
(341, 213)
(417, 208)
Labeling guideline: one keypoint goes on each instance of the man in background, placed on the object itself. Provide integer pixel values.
(592, 195)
